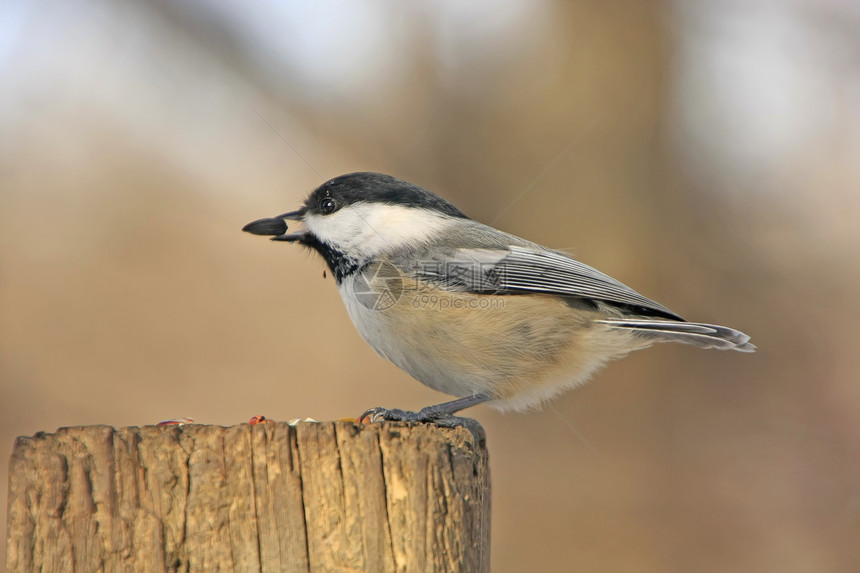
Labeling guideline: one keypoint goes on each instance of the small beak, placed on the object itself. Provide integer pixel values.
(296, 215)
(297, 236)
(276, 227)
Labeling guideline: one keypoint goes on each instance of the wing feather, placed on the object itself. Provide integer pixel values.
(518, 269)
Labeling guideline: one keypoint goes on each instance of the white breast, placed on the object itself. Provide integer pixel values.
(396, 334)
(373, 325)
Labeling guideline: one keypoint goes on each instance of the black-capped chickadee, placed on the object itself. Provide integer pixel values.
(467, 309)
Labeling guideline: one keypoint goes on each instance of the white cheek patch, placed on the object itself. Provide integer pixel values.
(371, 229)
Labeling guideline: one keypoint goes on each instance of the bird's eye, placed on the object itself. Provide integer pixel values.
(327, 206)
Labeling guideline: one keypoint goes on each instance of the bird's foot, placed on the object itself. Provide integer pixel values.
(428, 415)
(380, 414)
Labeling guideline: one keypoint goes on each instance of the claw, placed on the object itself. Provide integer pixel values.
(426, 416)
(380, 414)
(368, 416)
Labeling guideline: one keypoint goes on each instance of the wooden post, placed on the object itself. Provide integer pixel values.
(331, 496)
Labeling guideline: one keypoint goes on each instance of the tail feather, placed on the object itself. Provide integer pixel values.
(701, 335)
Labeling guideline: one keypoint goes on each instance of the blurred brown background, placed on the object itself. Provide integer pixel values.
(707, 154)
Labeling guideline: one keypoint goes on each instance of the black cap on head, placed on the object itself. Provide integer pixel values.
(370, 187)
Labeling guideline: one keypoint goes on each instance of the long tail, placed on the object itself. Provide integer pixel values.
(701, 335)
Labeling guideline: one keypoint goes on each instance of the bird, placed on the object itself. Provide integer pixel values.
(469, 310)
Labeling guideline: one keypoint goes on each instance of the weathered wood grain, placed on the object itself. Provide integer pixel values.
(272, 497)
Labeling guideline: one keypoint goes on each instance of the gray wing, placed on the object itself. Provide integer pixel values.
(518, 269)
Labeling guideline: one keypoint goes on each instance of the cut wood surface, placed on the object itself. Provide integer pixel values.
(331, 496)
